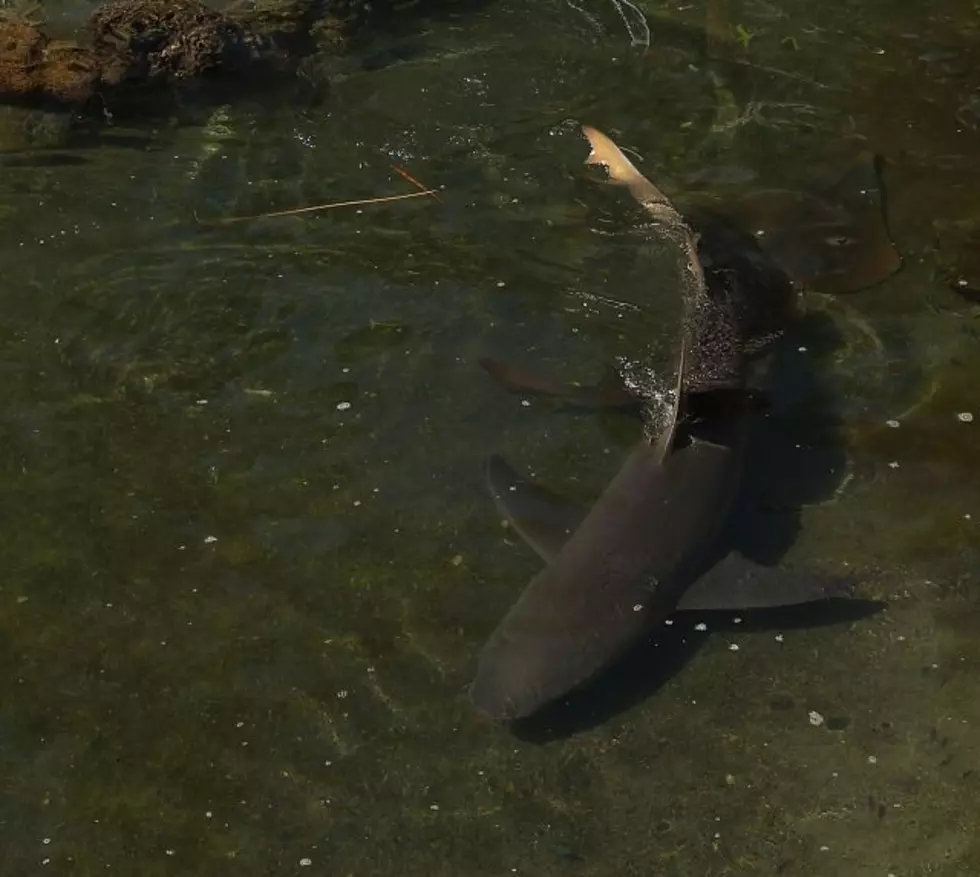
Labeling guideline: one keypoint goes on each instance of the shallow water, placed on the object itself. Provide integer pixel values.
(249, 557)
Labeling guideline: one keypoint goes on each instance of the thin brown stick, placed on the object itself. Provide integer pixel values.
(330, 206)
(405, 175)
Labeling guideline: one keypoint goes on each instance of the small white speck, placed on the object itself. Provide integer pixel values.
(433, 806)
(893, 464)
(733, 647)
(872, 759)
(500, 284)
(342, 693)
(669, 622)
(305, 863)
(701, 626)
(801, 349)
(343, 406)
(965, 417)
(45, 861)
(637, 607)
(824, 848)
(209, 814)
(170, 852)
(815, 719)
(208, 540)
(357, 502)
(202, 401)
(525, 403)
(778, 637)
(46, 841)
(894, 424)
(737, 620)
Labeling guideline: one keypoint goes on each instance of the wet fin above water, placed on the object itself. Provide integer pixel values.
(834, 242)
(622, 172)
(611, 392)
(546, 521)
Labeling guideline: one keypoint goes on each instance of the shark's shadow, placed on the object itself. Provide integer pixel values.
(647, 667)
(796, 456)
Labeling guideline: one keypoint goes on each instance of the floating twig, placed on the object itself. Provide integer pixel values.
(405, 175)
(334, 204)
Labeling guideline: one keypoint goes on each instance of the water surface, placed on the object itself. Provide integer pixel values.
(249, 559)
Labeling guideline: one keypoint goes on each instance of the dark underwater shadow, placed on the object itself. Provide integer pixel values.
(40, 159)
(640, 674)
(796, 456)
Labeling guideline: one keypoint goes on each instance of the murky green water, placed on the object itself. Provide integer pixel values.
(248, 558)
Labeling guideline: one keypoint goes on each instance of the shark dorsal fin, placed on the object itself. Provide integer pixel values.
(665, 443)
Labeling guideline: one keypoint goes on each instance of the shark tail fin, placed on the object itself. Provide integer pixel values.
(621, 170)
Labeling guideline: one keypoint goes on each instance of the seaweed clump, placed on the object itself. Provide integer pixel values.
(137, 49)
(165, 42)
(138, 52)
(36, 69)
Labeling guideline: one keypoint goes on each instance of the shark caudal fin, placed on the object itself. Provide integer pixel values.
(622, 171)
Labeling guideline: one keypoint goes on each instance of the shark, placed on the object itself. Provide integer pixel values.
(651, 544)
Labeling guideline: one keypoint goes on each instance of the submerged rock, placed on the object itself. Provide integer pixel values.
(25, 128)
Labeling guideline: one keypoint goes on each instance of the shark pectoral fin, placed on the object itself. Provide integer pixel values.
(611, 392)
(518, 380)
(738, 583)
(544, 520)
